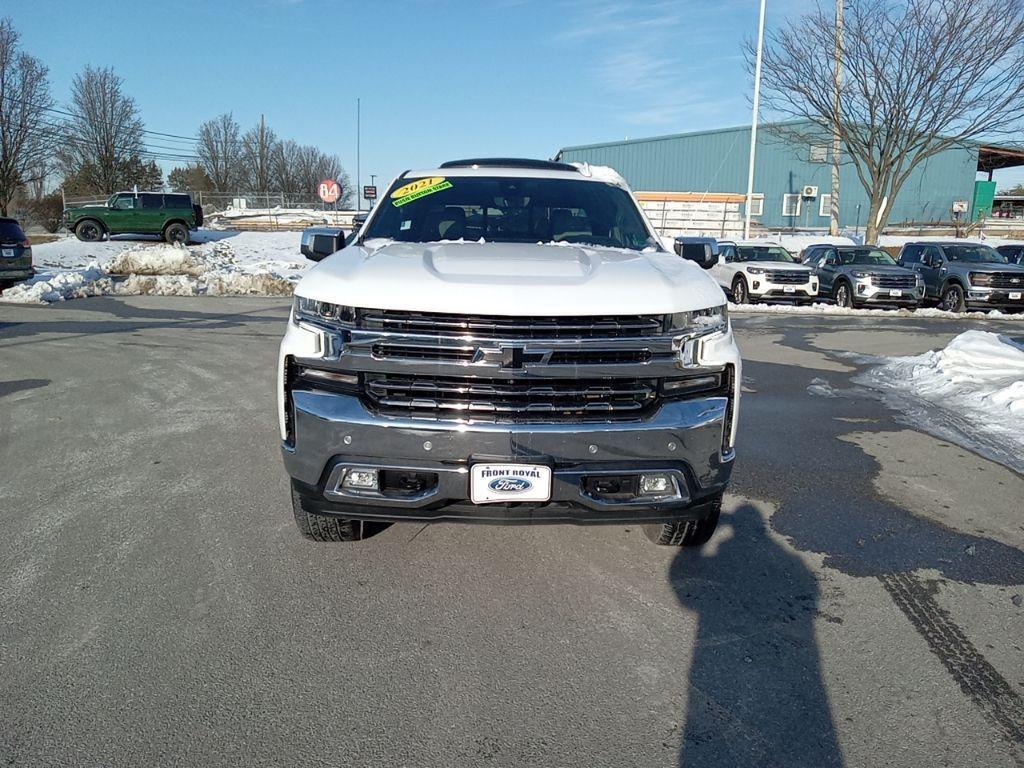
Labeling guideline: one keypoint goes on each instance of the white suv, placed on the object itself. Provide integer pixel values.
(507, 341)
(757, 271)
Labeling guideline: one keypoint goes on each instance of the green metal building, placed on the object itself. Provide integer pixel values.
(786, 171)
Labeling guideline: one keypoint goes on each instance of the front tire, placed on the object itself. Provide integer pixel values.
(318, 527)
(740, 294)
(687, 533)
(88, 231)
(844, 295)
(953, 299)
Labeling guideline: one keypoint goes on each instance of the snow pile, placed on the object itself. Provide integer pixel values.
(974, 387)
(216, 268)
(47, 287)
(163, 259)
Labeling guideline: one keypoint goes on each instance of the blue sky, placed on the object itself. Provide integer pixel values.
(437, 80)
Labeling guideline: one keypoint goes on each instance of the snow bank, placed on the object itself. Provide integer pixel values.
(974, 386)
(262, 264)
(161, 259)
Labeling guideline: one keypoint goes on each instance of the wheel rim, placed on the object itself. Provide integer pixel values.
(89, 232)
(176, 235)
(740, 292)
(843, 295)
(950, 300)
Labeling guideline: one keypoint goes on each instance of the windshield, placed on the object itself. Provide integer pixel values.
(762, 253)
(510, 210)
(866, 256)
(974, 254)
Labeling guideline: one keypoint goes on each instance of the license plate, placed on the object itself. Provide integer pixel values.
(894, 292)
(492, 483)
(788, 289)
(1015, 295)
(8, 253)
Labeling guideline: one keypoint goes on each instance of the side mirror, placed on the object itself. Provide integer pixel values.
(320, 242)
(704, 254)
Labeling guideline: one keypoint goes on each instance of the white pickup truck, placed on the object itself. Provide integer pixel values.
(507, 341)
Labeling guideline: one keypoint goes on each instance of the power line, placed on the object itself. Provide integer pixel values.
(65, 113)
(57, 131)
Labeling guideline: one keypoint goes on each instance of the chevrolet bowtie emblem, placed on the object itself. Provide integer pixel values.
(511, 357)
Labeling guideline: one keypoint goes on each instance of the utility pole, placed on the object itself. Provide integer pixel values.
(359, 189)
(837, 78)
(753, 121)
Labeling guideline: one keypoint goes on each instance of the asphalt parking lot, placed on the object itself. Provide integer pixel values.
(859, 606)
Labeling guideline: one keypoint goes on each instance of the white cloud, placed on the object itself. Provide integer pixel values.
(656, 70)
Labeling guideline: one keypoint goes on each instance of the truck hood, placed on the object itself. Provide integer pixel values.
(510, 279)
(967, 266)
(875, 269)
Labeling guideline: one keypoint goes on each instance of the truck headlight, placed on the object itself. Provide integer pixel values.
(755, 270)
(860, 274)
(700, 322)
(980, 278)
(322, 311)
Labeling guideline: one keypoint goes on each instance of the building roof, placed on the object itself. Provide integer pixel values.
(990, 155)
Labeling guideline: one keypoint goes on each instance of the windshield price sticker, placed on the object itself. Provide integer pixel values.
(419, 188)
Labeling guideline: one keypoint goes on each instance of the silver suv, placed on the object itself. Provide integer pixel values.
(858, 275)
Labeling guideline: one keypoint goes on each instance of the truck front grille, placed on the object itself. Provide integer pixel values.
(894, 281)
(508, 399)
(787, 276)
(1013, 280)
(499, 326)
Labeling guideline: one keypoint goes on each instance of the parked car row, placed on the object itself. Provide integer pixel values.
(953, 275)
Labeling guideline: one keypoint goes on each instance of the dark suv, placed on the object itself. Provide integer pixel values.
(169, 215)
(15, 253)
(963, 275)
(855, 275)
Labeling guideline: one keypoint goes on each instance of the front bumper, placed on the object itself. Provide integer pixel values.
(763, 290)
(994, 298)
(325, 431)
(683, 438)
(865, 292)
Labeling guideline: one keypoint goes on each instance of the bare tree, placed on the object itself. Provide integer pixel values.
(220, 152)
(919, 77)
(314, 165)
(26, 137)
(259, 147)
(102, 144)
(287, 156)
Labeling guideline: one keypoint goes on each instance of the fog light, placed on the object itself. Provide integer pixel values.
(757, 285)
(360, 480)
(655, 484)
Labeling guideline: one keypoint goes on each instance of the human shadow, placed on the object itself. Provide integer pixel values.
(756, 696)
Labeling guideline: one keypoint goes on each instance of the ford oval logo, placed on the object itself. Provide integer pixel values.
(510, 484)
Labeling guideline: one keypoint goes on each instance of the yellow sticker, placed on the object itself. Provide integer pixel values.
(419, 188)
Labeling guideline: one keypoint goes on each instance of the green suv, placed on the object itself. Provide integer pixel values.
(169, 215)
